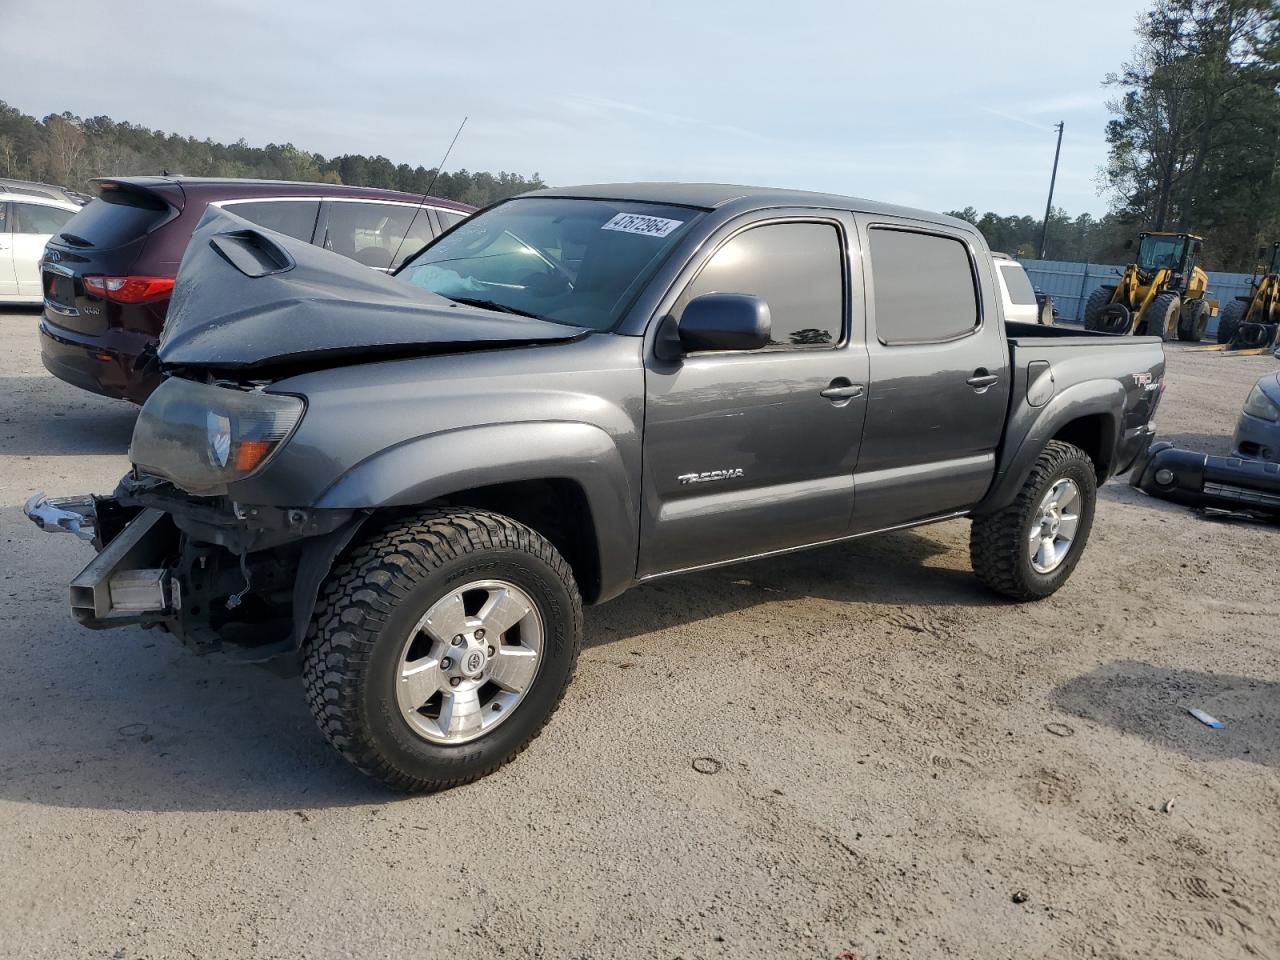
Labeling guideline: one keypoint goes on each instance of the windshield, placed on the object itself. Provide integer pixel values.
(578, 262)
(1160, 253)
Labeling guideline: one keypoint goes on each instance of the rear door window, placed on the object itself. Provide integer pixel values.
(39, 218)
(369, 233)
(415, 229)
(293, 218)
(450, 217)
(925, 289)
(1017, 283)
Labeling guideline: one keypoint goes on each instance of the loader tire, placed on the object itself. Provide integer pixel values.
(1161, 316)
(1192, 321)
(1093, 307)
(1021, 551)
(1229, 320)
(440, 646)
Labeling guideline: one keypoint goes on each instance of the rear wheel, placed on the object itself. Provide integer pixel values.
(440, 646)
(1161, 316)
(1229, 320)
(1093, 307)
(1192, 321)
(1027, 550)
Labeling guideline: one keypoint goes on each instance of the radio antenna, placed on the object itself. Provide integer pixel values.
(427, 193)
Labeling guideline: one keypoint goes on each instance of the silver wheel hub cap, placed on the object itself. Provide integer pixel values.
(1053, 526)
(469, 661)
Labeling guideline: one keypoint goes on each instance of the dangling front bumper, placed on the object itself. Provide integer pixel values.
(1198, 480)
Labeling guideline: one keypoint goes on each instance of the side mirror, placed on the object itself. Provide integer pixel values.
(1195, 247)
(724, 321)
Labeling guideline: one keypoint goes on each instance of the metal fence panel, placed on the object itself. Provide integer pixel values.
(1071, 283)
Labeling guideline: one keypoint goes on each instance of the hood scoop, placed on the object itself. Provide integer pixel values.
(246, 297)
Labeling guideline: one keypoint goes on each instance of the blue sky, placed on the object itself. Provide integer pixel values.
(934, 104)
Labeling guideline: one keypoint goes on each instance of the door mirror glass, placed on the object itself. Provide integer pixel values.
(725, 321)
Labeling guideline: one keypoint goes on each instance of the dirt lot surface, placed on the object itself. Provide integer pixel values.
(901, 757)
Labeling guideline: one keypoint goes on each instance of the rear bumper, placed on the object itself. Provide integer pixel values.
(1197, 480)
(104, 364)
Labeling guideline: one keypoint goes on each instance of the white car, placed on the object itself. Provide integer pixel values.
(1019, 296)
(28, 218)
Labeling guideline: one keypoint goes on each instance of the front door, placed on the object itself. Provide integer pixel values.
(743, 453)
(940, 377)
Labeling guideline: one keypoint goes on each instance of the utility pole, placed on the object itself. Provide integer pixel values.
(1048, 207)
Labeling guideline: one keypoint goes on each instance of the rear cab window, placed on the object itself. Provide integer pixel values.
(925, 287)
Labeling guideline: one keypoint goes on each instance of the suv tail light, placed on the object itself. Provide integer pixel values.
(129, 289)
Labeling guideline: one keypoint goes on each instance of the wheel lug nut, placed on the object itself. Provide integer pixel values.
(480, 634)
(454, 681)
(457, 641)
(446, 663)
(491, 651)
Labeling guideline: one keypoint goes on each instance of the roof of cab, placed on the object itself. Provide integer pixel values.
(709, 196)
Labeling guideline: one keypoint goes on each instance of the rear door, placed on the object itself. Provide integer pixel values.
(743, 454)
(8, 279)
(33, 224)
(939, 374)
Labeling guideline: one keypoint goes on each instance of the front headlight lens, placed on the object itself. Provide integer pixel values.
(204, 437)
(1260, 405)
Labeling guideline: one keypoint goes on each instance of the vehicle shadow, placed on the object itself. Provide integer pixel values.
(44, 417)
(1145, 700)
(887, 569)
(133, 721)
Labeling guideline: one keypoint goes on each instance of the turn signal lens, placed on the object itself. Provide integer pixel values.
(129, 289)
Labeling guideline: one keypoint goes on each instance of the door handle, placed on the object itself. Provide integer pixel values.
(842, 389)
(981, 380)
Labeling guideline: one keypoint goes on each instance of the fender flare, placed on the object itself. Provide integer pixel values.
(1092, 398)
(436, 465)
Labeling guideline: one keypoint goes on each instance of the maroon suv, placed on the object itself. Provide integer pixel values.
(109, 272)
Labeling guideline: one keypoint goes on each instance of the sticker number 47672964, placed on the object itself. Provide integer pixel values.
(639, 223)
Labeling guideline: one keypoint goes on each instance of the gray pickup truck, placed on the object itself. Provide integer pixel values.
(412, 483)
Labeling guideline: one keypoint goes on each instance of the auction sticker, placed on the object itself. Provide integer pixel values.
(639, 223)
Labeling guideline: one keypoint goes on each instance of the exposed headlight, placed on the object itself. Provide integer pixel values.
(1260, 405)
(204, 437)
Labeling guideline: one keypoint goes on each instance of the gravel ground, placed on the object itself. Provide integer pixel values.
(949, 755)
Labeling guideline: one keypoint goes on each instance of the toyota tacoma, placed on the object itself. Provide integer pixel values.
(411, 484)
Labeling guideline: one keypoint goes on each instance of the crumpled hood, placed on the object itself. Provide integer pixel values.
(248, 297)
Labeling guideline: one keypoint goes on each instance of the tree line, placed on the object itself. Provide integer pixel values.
(68, 150)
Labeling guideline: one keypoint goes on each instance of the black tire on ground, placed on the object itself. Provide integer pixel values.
(367, 611)
(1160, 319)
(1093, 306)
(1229, 320)
(1192, 321)
(999, 542)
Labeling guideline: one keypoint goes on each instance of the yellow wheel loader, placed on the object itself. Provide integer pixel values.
(1253, 322)
(1163, 293)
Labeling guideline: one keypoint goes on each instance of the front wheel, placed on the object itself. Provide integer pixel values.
(1027, 550)
(440, 646)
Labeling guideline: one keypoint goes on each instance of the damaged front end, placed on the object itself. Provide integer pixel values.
(214, 573)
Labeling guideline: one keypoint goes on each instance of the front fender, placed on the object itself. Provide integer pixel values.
(1033, 427)
(438, 465)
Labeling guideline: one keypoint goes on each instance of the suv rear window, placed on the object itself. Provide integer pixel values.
(1018, 285)
(116, 217)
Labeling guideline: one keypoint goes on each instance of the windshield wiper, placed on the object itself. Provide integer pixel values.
(495, 305)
